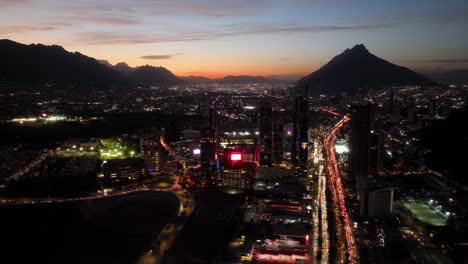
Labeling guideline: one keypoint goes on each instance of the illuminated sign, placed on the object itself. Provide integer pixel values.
(236, 156)
(196, 151)
(340, 149)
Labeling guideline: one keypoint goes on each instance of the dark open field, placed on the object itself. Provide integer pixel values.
(114, 230)
(110, 125)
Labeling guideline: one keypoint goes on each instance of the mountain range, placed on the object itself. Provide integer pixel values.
(353, 70)
(40, 64)
(149, 75)
(357, 69)
(36, 63)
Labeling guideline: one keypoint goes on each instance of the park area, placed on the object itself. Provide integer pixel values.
(425, 213)
(109, 148)
(114, 149)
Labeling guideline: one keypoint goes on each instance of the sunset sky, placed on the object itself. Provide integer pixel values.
(226, 37)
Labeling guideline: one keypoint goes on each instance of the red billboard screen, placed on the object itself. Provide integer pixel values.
(236, 156)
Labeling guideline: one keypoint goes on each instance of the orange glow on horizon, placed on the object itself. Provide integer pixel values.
(217, 67)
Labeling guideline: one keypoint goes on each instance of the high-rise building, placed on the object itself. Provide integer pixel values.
(396, 111)
(288, 145)
(266, 134)
(411, 113)
(209, 142)
(278, 142)
(239, 157)
(150, 150)
(361, 118)
(389, 104)
(376, 152)
(123, 170)
(300, 148)
(380, 203)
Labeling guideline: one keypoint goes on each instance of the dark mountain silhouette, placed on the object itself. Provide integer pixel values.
(149, 75)
(106, 62)
(37, 63)
(450, 77)
(357, 69)
(123, 68)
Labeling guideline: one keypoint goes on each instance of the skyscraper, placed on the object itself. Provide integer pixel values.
(361, 118)
(376, 152)
(266, 134)
(209, 143)
(150, 148)
(411, 110)
(300, 148)
(396, 111)
(278, 142)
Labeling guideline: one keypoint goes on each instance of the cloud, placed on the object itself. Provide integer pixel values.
(102, 19)
(107, 37)
(286, 59)
(208, 8)
(24, 29)
(6, 3)
(453, 17)
(160, 57)
(213, 8)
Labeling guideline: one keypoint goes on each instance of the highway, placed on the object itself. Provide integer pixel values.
(346, 245)
(324, 219)
(320, 238)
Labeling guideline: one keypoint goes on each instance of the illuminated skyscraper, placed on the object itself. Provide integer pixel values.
(376, 152)
(411, 113)
(209, 143)
(150, 148)
(299, 151)
(361, 118)
(278, 142)
(266, 134)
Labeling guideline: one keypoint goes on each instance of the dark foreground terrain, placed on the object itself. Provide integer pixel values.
(114, 230)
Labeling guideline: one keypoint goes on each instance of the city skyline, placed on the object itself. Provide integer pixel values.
(219, 38)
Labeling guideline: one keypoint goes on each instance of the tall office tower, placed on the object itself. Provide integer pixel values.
(361, 118)
(376, 152)
(266, 134)
(150, 148)
(299, 152)
(396, 111)
(278, 142)
(431, 107)
(209, 143)
(411, 113)
(380, 203)
(392, 101)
